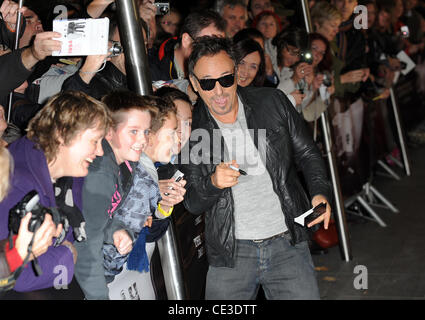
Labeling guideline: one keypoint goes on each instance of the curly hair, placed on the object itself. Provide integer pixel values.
(64, 117)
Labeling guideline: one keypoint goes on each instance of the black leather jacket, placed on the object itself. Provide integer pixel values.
(288, 146)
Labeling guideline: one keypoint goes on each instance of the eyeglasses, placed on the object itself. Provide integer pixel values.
(209, 84)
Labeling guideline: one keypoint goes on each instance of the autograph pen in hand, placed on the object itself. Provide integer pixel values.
(237, 169)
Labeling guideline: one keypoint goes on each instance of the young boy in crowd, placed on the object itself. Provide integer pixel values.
(105, 187)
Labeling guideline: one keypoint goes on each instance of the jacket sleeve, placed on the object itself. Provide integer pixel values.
(57, 265)
(201, 194)
(97, 193)
(12, 69)
(306, 154)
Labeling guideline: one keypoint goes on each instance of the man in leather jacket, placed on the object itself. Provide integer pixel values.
(250, 234)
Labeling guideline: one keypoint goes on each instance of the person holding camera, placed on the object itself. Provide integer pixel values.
(11, 258)
(322, 84)
(294, 60)
(62, 140)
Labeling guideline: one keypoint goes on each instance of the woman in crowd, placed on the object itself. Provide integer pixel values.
(326, 19)
(322, 80)
(62, 140)
(251, 63)
(295, 75)
(272, 79)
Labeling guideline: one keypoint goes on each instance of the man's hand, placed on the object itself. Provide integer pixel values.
(224, 177)
(9, 10)
(122, 241)
(42, 47)
(324, 217)
(91, 66)
(44, 44)
(352, 76)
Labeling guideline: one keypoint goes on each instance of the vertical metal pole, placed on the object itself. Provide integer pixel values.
(340, 213)
(344, 242)
(139, 80)
(400, 132)
(16, 47)
(170, 263)
(136, 62)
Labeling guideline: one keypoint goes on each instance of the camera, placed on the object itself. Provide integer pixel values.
(162, 8)
(404, 30)
(327, 79)
(306, 56)
(116, 49)
(30, 203)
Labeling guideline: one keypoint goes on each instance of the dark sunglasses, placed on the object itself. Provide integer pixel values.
(209, 84)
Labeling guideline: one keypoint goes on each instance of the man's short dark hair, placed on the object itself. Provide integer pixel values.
(209, 46)
(195, 22)
(247, 33)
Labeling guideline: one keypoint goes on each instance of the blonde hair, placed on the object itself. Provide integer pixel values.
(65, 116)
(6, 167)
(323, 12)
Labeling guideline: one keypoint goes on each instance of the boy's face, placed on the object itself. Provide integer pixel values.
(130, 138)
(184, 124)
(162, 142)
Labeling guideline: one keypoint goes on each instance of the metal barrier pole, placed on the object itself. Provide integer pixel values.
(173, 278)
(136, 62)
(16, 47)
(339, 210)
(139, 80)
(400, 132)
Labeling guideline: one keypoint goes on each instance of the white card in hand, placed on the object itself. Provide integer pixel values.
(82, 37)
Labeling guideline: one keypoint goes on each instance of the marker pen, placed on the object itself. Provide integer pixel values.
(237, 169)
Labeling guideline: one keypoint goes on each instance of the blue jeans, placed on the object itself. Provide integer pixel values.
(284, 271)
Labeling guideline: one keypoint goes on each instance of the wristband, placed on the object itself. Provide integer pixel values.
(164, 213)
